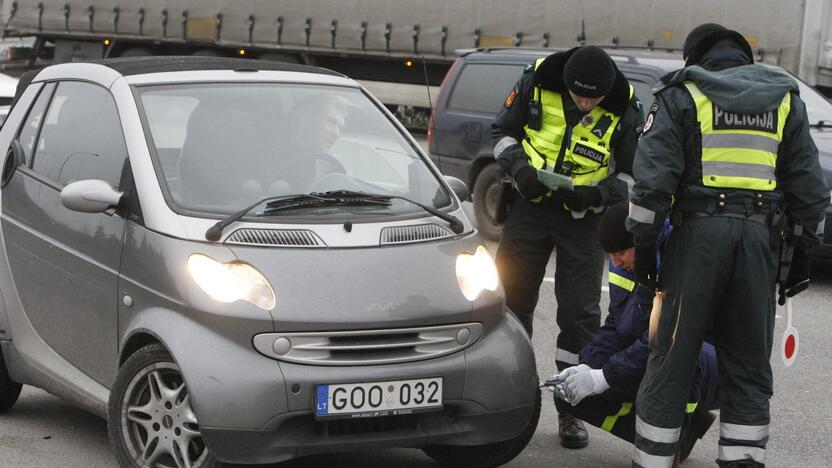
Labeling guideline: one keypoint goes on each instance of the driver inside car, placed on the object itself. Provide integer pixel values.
(305, 150)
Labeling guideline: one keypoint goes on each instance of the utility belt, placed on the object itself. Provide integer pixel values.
(680, 217)
(776, 221)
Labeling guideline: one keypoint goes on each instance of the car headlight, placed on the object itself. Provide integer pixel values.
(230, 282)
(477, 272)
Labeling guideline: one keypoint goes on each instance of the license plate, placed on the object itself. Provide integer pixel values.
(378, 398)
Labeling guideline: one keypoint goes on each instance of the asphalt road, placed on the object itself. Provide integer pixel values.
(41, 431)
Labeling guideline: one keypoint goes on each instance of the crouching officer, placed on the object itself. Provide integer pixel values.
(730, 141)
(602, 389)
(572, 115)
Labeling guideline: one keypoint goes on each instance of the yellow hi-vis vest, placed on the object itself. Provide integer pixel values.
(739, 151)
(588, 153)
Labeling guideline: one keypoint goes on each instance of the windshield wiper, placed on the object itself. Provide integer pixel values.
(323, 199)
(331, 198)
(455, 224)
(215, 232)
(821, 124)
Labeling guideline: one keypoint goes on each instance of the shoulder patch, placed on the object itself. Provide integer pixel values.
(529, 67)
(512, 96)
(648, 122)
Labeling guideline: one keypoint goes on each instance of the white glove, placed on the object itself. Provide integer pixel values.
(558, 378)
(561, 377)
(583, 383)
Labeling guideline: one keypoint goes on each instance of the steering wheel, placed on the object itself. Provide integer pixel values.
(301, 171)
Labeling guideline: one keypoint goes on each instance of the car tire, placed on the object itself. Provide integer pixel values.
(9, 389)
(486, 188)
(488, 455)
(150, 418)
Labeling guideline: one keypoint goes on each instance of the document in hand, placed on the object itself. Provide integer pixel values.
(554, 181)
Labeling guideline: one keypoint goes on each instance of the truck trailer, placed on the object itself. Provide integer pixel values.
(396, 47)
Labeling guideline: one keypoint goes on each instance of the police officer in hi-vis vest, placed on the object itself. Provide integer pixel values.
(573, 118)
(724, 150)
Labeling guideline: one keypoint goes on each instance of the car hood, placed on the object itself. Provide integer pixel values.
(362, 288)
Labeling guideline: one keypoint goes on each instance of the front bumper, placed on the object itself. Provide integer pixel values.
(489, 396)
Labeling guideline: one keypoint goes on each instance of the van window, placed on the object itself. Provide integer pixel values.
(81, 136)
(482, 87)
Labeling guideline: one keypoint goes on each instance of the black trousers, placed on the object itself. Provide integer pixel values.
(532, 231)
(718, 271)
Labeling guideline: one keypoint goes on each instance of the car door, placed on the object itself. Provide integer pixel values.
(463, 127)
(64, 263)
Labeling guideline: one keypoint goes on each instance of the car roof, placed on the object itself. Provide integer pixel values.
(133, 66)
(666, 60)
(128, 66)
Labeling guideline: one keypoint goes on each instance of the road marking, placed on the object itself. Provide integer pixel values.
(552, 280)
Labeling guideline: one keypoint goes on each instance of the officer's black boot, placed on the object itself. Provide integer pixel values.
(700, 421)
(572, 432)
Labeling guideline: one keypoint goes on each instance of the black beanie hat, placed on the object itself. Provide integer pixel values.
(703, 37)
(700, 35)
(589, 72)
(613, 234)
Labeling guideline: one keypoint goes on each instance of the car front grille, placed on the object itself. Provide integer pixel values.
(275, 238)
(368, 347)
(410, 234)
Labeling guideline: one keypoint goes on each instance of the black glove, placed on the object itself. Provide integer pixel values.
(581, 198)
(645, 266)
(798, 279)
(525, 179)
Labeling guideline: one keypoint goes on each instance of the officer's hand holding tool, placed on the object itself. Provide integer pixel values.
(645, 266)
(798, 277)
(581, 198)
(555, 383)
(583, 383)
(525, 179)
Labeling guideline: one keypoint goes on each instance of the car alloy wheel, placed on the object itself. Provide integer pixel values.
(155, 424)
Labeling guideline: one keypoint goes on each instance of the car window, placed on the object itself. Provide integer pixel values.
(29, 131)
(482, 87)
(81, 136)
(644, 93)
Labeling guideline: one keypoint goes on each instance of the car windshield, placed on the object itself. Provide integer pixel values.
(222, 146)
(818, 107)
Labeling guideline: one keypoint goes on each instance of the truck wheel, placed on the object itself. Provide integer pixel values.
(208, 53)
(150, 419)
(136, 52)
(485, 456)
(486, 188)
(279, 57)
(9, 389)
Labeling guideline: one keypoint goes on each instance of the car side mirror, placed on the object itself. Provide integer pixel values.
(459, 187)
(90, 196)
(14, 158)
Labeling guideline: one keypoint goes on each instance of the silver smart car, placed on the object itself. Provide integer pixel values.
(241, 261)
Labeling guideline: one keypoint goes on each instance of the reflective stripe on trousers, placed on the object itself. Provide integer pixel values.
(655, 446)
(609, 421)
(741, 442)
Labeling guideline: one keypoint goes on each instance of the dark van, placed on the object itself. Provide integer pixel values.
(475, 87)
